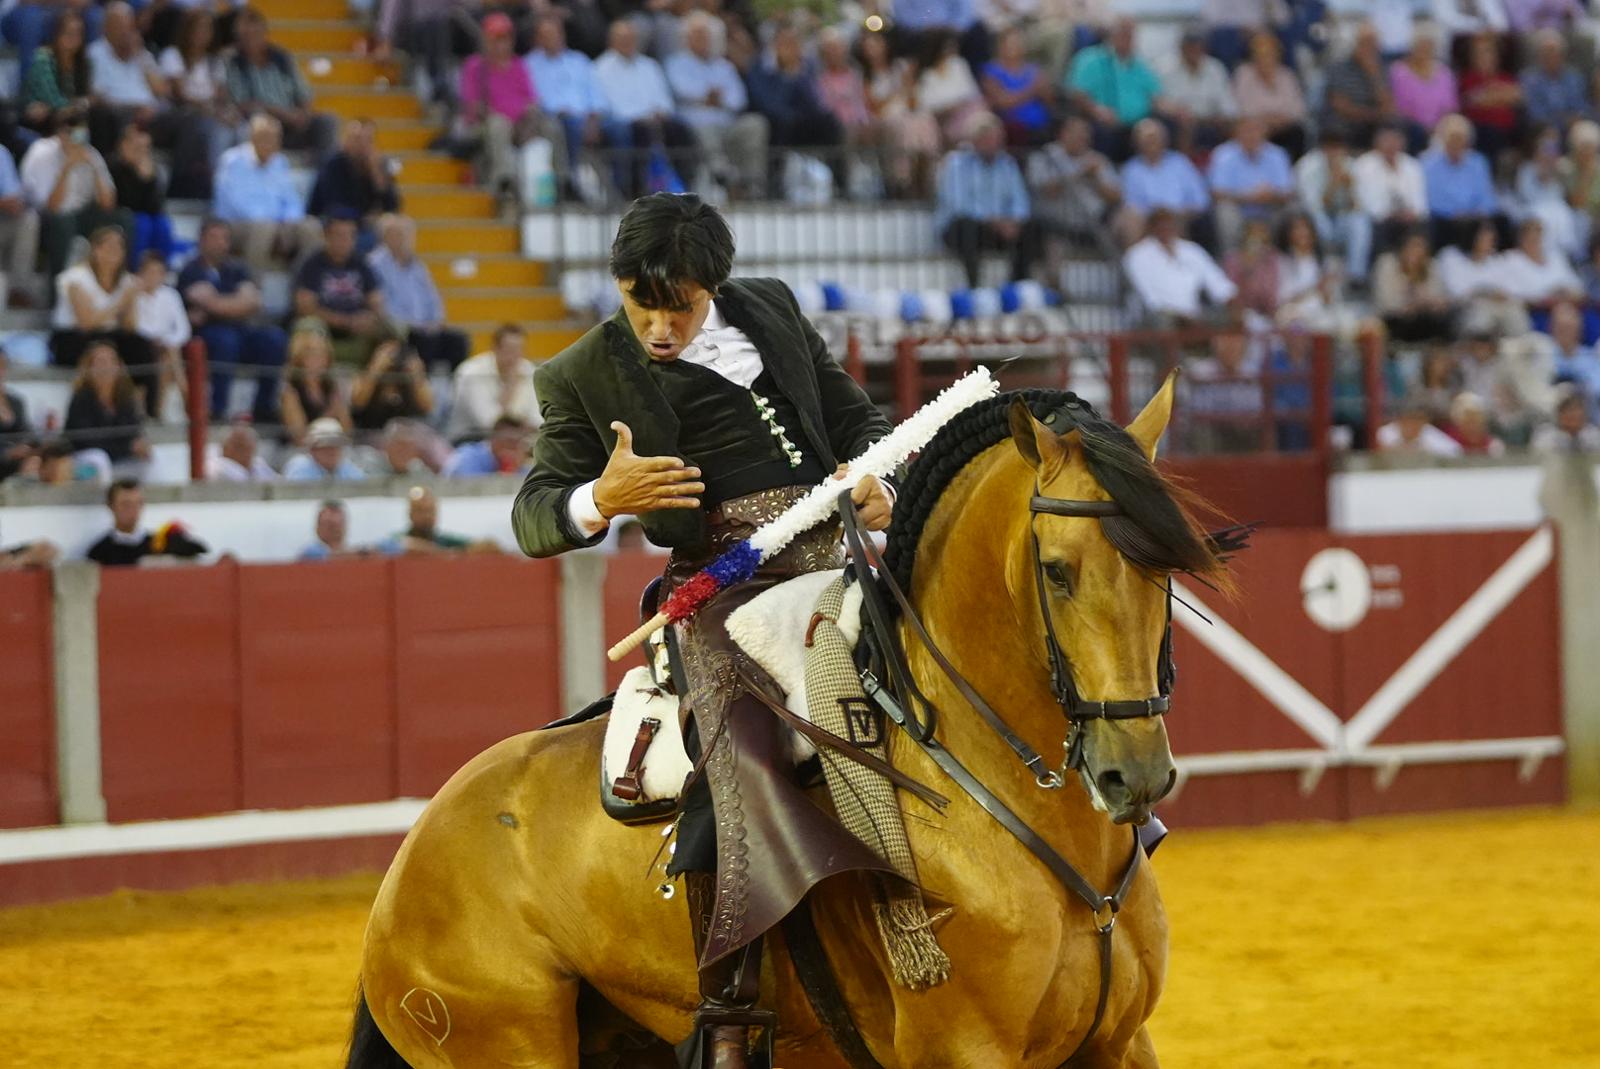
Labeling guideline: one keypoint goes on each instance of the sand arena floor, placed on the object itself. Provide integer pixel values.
(1464, 941)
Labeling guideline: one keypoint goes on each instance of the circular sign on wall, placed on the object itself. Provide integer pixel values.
(1336, 589)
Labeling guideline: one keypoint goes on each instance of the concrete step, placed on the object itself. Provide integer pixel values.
(431, 169)
(515, 304)
(317, 34)
(317, 10)
(370, 103)
(330, 70)
(466, 236)
(446, 202)
(454, 272)
(403, 135)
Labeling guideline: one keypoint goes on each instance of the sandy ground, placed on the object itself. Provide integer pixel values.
(1458, 941)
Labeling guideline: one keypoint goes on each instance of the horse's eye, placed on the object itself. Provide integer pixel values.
(1059, 575)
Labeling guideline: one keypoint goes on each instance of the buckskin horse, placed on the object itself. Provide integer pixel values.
(519, 925)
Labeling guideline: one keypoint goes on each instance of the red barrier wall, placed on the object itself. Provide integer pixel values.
(627, 574)
(27, 701)
(278, 686)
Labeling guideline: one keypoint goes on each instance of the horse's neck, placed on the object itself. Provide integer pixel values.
(963, 592)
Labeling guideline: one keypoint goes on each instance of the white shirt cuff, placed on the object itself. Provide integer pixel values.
(582, 512)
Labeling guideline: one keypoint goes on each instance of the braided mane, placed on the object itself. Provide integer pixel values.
(1156, 531)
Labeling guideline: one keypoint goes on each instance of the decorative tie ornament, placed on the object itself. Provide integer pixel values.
(883, 456)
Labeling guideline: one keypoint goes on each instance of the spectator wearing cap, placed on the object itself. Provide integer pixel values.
(641, 113)
(1114, 86)
(1413, 435)
(499, 104)
(335, 287)
(130, 542)
(1552, 91)
(357, 180)
(1250, 180)
(19, 234)
(1159, 178)
(491, 386)
(712, 100)
(1390, 187)
(239, 459)
(1174, 277)
(263, 78)
(1491, 98)
(224, 305)
(1537, 274)
(505, 452)
(258, 199)
(566, 87)
(1203, 104)
(68, 183)
(1325, 178)
(1458, 185)
(1573, 430)
(1266, 89)
(411, 297)
(326, 455)
(1358, 90)
(983, 204)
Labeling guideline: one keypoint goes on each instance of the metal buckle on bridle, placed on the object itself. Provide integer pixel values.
(1105, 915)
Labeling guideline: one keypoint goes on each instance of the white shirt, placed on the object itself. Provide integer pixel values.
(41, 166)
(81, 277)
(1431, 442)
(1173, 281)
(1536, 282)
(160, 317)
(197, 84)
(221, 469)
(634, 88)
(1456, 17)
(1465, 278)
(118, 80)
(476, 398)
(1381, 190)
(1207, 92)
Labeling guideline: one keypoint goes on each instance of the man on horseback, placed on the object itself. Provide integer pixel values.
(706, 406)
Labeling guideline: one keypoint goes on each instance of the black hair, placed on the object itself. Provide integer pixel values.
(151, 256)
(1287, 224)
(119, 485)
(668, 240)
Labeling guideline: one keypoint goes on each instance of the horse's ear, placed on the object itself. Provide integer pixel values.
(1038, 444)
(1148, 427)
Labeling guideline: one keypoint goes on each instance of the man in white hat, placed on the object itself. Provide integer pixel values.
(325, 456)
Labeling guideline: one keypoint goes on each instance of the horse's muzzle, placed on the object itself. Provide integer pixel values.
(1131, 792)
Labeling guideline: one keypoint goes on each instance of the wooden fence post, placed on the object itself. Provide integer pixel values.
(1571, 499)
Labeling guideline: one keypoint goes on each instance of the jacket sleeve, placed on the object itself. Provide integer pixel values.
(853, 422)
(567, 454)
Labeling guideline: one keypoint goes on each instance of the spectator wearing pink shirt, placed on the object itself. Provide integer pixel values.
(1423, 88)
(500, 109)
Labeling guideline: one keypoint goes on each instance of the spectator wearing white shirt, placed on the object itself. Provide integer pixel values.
(70, 186)
(711, 99)
(1536, 275)
(1172, 275)
(19, 233)
(568, 89)
(160, 318)
(1202, 105)
(1325, 179)
(199, 84)
(1412, 435)
(1572, 432)
(1390, 187)
(640, 108)
(493, 385)
(1475, 281)
(239, 459)
(257, 196)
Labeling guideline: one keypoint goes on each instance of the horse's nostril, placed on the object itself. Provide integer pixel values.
(1172, 781)
(1110, 783)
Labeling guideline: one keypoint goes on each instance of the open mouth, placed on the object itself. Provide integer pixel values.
(660, 348)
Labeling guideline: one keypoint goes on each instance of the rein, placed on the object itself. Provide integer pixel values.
(901, 710)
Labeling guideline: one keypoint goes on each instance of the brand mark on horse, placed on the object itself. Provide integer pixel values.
(430, 1013)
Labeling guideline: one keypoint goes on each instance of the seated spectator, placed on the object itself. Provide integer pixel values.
(142, 193)
(19, 236)
(1552, 92)
(332, 530)
(394, 385)
(1203, 107)
(224, 306)
(1423, 88)
(199, 91)
(1016, 90)
(1408, 294)
(1527, 16)
(1074, 188)
(1541, 193)
(411, 297)
(946, 88)
(910, 130)
(1573, 430)
(239, 459)
(1310, 292)
(782, 91)
(1358, 96)
(1172, 276)
(258, 198)
(1250, 181)
(325, 456)
(1222, 400)
(432, 33)
(104, 414)
(711, 99)
(491, 386)
(1390, 187)
(335, 287)
(405, 448)
(983, 204)
(507, 451)
(95, 303)
(567, 89)
(1491, 98)
(159, 318)
(499, 107)
(1469, 426)
(1114, 87)
(309, 390)
(1440, 378)
(423, 536)
(355, 181)
(1573, 361)
(1157, 178)
(67, 181)
(1470, 18)
(1252, 267)
(1266, 89)
(264, 79)
(1325, 179)
(1457, 184)
(55, 85)
(17, 443)
(1228, 25)
(1413, 435)
(1536, 275)
(640, 112)
(128, 542)
(1476, 283)
(1580, 170)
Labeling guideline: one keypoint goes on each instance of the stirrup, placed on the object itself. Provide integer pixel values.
(710, 1016)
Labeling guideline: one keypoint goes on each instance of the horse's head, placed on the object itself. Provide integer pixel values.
(1102, 584)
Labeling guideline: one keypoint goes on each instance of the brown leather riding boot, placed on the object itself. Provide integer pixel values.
(728, 989)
